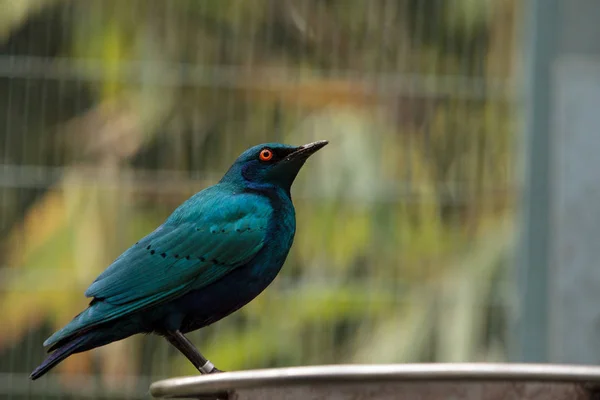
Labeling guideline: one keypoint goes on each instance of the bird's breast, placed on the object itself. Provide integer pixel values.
(209, 304)
(279, 238)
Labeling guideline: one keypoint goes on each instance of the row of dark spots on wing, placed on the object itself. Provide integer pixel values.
(238, 230)
(201, 259)
(177, 256)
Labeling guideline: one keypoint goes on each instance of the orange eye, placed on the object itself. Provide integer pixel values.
(265, 155)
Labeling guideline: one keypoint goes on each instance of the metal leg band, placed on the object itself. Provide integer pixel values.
(207, 368)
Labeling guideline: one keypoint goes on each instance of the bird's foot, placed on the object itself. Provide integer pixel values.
(215, 371)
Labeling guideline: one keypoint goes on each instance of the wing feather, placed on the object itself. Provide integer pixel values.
(202, 247)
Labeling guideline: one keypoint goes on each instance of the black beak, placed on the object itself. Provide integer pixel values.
(305, 151)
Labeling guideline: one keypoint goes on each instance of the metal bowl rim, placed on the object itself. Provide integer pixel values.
(344, 374)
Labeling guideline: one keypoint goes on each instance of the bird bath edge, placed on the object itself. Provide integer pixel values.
(477, 381)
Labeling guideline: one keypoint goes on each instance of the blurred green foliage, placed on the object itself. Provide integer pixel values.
(404, 222)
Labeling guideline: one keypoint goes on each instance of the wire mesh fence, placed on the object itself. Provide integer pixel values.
(113, 113)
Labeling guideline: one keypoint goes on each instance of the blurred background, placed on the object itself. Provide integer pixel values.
(423, 228)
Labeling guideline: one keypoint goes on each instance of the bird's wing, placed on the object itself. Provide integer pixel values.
(207, 237)
(196, 247)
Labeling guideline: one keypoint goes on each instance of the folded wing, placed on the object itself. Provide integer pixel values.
(204, 239)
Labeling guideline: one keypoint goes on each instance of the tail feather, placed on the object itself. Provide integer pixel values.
(73, 328)
(75, 345)
(87, 339)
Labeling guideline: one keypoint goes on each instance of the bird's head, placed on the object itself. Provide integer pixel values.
(271, 164)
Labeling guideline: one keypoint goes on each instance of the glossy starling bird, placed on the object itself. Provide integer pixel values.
(213, 255)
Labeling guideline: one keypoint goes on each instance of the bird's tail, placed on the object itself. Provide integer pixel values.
(75, 345)
(84, 341)
(81, 335)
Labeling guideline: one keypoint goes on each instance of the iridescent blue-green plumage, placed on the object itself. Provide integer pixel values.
(214, 254)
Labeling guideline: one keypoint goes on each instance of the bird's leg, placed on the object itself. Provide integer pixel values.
(187, 348)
